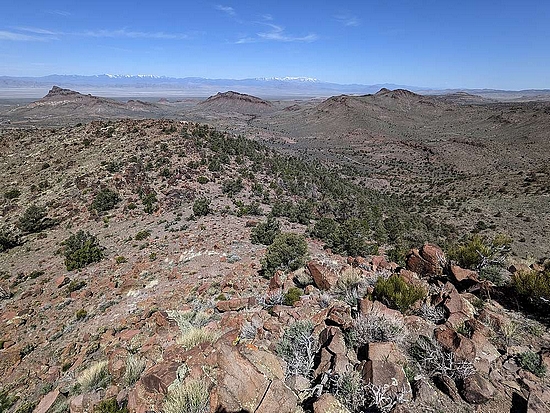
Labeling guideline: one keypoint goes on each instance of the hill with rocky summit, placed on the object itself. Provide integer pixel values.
(151, 264)
(61, 105)
(236, 102)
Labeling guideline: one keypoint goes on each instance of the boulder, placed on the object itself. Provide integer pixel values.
(235, 304)
(462, 277)
(47, 401)
(327, 403)
(323, 278)
(476, 389)
(429, 260)
(383, 373)
(462, 347)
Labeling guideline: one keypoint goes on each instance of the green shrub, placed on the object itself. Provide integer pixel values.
(81, 314)
(26, 407)
(325, 229)
(232, 186)
(532, 362)
(109, 406)
(202, 180)
(479, 252)
(6, 400)
(81, 249)
(397, 293)
(287, 253)
(201, 207)
(149, 202)
(292, 295)
(75, 285)
(120, 259)
(34, 220)
(105, 200)
(12, 193)
(8, 239)
(143, 234)
(265, 232)
(532, 285)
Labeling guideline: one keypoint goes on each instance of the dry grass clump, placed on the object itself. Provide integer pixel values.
(134, 367)
(194, 336)
(189, 397)
(95, 376)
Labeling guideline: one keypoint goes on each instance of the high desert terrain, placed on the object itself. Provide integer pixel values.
(377, 253)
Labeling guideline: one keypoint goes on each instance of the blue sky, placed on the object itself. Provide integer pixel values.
(434, 43)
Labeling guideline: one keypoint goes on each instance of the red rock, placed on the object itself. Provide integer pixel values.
(463, 276)
(429, 260)
(276, 282)
(385, 351)
(47, 401)
(450, 340)
(340, 315)
(235, 304)
(327, 403)
(476, 389)
(379, 261)
(61, 281)
(127, 335)
(323, 278)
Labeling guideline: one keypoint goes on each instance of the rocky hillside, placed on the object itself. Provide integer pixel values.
(165, 266)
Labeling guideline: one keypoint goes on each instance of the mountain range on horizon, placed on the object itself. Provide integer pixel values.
(153, 85)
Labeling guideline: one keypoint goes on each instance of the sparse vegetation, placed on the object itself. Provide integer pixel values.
(12, 193)
(134, 367)
(8, 239)
(376, 326)
(143, 234)
(81, 249)
(533, 285)
(109, 406)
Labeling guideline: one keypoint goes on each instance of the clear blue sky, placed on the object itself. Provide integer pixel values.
(435, 43)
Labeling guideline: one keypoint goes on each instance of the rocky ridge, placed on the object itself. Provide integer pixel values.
(451, 350)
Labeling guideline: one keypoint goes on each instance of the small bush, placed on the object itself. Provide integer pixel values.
(105, 200)
(149, 202)
(374, 327)
(109, 406)
(26, 407)
(95, 376)
(286, 253)
(479, 252)
(265, 232)
(141, 235)
(532, 362)
(202, 180)
(190, 397)
(81, 249)
(34, 220)
(533, 285)
(12, 193)
(81, 314)
(298, 347)
(292, 295)
(232, 186)
(201, 207)
(120, 259)
(351, 286)
(8, 239)
(397, 293)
